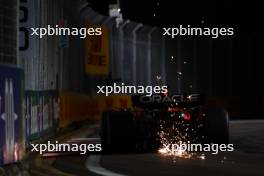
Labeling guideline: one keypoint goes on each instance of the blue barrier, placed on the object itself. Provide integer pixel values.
(11, 95)
(24, 115)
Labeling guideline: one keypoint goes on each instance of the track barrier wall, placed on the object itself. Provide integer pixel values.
(41, 113)
(77, 107)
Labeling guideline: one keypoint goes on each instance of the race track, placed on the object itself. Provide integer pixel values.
(247, 159)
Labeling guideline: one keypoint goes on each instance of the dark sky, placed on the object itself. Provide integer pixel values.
(244, 14)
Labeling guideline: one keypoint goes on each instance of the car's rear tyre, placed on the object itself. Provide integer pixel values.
(217, 126)
(117, 131)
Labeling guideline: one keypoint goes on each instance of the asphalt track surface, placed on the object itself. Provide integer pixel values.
(247, 159)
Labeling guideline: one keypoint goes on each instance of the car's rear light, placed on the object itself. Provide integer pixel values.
(166, 94)
(186, 115)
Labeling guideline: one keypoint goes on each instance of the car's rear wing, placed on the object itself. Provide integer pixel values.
(162, 100)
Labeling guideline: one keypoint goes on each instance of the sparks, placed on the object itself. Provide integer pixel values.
(175, 135)
(202, 157)
(158, 77)
(163, 151)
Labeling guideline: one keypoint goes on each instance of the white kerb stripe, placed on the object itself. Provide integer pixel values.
(93, 165)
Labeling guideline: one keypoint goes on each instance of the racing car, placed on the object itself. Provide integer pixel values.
(158, 119)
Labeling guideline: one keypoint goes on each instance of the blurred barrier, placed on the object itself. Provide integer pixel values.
(77, 107)
(40, 113)
(11, 123)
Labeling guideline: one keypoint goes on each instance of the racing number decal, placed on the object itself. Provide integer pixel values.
(23, 18)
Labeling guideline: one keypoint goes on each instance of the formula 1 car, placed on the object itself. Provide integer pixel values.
(158, 119)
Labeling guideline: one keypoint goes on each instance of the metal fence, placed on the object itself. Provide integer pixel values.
(39, 57)
(136, 51)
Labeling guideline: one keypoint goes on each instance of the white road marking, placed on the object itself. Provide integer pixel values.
(246, 121)
(93, 165)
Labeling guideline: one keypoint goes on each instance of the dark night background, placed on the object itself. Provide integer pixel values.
(246, 14)
(245, 55)
(236, 72)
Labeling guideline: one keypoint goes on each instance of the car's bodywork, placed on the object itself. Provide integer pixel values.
(161, 119)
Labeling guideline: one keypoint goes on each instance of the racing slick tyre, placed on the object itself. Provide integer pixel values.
(217, 126)
(117, 131)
